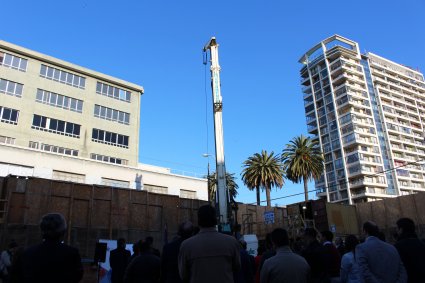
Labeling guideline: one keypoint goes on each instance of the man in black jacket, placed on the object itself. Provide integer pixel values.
(118, 260)
(51, 261)
(170, 254)
(316, 256)
(411, 250)
(143, 268)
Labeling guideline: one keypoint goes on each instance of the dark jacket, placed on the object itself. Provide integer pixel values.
(145, 268)
(412, 253)
(316, 256)
(246, 273)
(118, 260)
(169, 262)
(334, 263)
(49, 262)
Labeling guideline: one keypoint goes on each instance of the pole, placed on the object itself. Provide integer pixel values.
(222, 193)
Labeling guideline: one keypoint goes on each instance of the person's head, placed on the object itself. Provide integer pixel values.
(339, 241)
(260, 250)
(327, 236)
(121, 243)
(12, 246)
(280, 237)
(145, 247)
(149, 240)
(53, 226)
(185, 230)
(310, 235)
(269, 243)
(351, 242)
(136, 247)
(405, 226)
(370, 229)
(207, 216)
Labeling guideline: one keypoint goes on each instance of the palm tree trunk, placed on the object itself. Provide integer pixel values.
(258, 196)
(268, 196)
(305, 188)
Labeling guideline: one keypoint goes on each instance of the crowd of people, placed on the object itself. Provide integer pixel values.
(202, 254)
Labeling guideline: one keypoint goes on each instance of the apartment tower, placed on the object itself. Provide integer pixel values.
(367, 113)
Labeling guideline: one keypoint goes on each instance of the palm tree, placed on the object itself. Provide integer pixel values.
(230, 185)
(263, 171)
(302, 161)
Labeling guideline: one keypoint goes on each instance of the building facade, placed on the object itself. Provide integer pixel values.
(62, 121)
(367, 113)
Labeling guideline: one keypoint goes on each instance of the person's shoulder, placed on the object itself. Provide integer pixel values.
(189, 241)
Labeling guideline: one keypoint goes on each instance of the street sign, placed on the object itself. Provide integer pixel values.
(268, 217)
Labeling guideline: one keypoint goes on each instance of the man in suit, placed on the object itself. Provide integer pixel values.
(51, 261)
(411, 250)
(285, 266)
(118, 260)
(378, 262)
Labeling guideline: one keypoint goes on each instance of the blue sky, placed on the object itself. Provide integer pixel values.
(158, 44)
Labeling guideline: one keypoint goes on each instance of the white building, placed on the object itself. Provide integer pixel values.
(367, 112)
(65, 122)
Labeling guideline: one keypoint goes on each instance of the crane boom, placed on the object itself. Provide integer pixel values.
(222, 193)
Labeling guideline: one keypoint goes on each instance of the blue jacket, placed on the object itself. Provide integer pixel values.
(379, 262)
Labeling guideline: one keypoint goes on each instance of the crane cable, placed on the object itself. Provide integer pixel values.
(205, 61)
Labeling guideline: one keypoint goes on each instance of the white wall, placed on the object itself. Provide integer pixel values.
(23, 161)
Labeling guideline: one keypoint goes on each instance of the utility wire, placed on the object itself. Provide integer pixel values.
(345, 182)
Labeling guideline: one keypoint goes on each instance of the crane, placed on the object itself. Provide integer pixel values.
(222, 199)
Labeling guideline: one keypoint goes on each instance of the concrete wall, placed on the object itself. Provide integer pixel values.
(24, 161)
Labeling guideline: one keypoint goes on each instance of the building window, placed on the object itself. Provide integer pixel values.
(59, 100)
(113, 92)
(187, 194)
(155, 189)
(14, 62)
(7, 140)
(111, 114)
(11, 88)
(109, 159)
(110, 138)
(53, 148)
(8, 115)
(67, 176)
(62, 76)
(56, 126)
(115, 183)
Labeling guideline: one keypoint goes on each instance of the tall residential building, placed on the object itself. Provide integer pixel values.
(62, 121)
(368, 114)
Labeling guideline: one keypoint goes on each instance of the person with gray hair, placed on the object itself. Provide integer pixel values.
(51, 261)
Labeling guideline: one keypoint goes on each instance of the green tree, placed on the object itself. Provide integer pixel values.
(263, 171)
(230, 184)
(302, 161)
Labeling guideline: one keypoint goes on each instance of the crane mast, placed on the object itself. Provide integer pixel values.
(222, 197)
